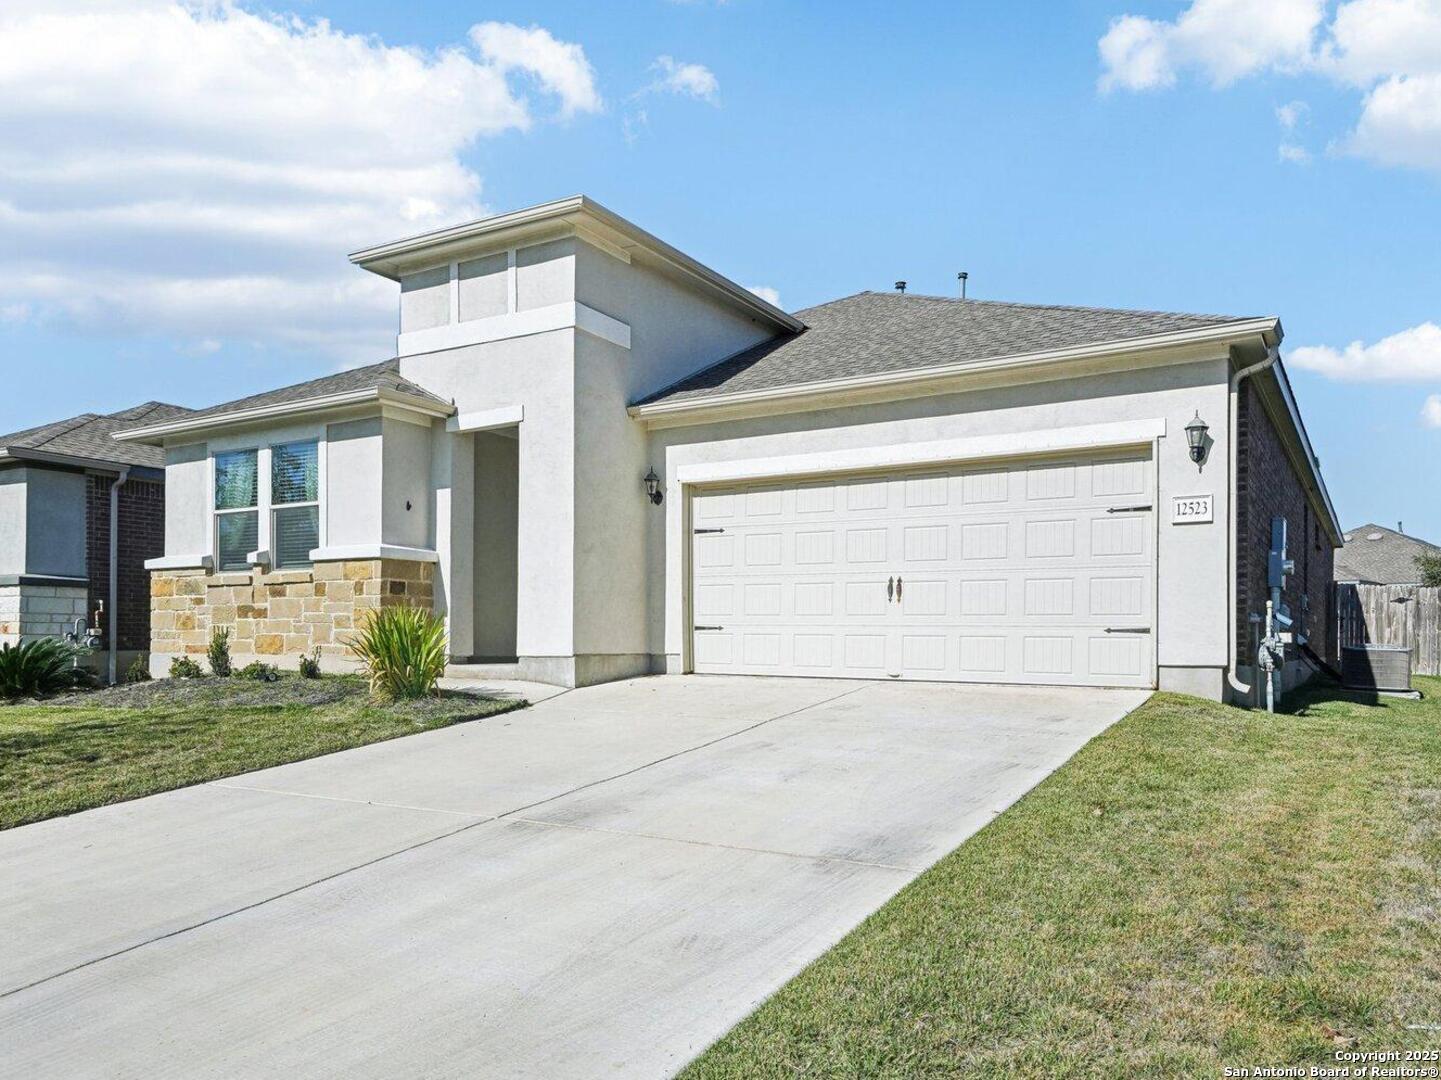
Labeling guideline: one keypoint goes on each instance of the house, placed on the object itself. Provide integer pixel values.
(62, 486)
(597, 457)
(1375, 555)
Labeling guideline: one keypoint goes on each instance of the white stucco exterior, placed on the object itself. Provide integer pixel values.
(543, 329)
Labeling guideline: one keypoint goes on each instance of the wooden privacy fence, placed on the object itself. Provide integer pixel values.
(1393, 615)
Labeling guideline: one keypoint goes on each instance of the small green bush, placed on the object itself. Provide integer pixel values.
(138, 671)
(310, 665)
(219, 652)
(1428, 568)
(403, 652)
(260, 671)
(33, 668)
(182, 667)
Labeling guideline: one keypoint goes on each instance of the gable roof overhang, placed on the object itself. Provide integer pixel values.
(580, 216)
(379, 396)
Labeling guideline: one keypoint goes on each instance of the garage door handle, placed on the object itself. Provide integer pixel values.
(1128, 629)
(890, 589)
(1127, 509)
(708, 628)
(898, 590)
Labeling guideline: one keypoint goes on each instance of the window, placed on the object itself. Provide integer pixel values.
(237, 517)
(295, 503)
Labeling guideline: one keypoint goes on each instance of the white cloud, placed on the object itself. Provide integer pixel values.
(1291, 114)
(1431, 411)
(766, 293)
(1223, 39)
(1390, 50)
(1412, 355)
(689, 80)
(201, 170)
(1297, 155)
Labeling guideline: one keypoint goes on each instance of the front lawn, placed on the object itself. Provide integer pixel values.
(1200, 887)
(90, 749)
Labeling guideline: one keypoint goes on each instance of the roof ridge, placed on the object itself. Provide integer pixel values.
(1048, 307)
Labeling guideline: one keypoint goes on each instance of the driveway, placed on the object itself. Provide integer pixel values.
(601, 884)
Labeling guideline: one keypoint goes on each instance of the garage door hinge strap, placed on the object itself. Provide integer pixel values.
(1128, 509)
(1128, 629)
(699, 531)
(708, 628)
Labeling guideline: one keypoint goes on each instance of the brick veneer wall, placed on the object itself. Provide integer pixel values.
(283, 613)
(1267, 485)
(142, 536)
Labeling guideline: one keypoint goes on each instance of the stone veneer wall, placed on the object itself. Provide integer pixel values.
(282, 613)
(29, 611)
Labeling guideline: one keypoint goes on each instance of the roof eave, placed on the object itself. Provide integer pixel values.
(76, 461)
(1268, 329)
(156, 434)
(385, 259)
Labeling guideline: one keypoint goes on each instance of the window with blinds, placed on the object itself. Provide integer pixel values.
(237, 514)
(295, 503)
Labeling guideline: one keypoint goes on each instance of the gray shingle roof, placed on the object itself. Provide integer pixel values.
(385, 375)
(880, 333)
(1383, 556)
(88, 436)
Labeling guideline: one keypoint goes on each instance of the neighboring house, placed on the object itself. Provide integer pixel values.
(1375, 555)
(597, 457)
(58, 484)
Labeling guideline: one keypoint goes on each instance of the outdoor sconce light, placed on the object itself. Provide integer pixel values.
(1196, 438)
(652, 487)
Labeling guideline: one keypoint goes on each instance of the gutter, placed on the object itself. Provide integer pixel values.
(259, 413)
(114, 613)
(701, 407)
(1273, 354)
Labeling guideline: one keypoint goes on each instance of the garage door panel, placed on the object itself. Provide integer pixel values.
(1038, 571)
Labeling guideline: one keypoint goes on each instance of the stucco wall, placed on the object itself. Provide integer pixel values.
(55, 523)
(537, 373)
(12, 521)
(187, 500)
(1193, 621)
(354, 465)
(405, 484)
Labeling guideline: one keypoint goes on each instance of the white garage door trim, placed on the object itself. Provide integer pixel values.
(1040, 621)
(975, 448)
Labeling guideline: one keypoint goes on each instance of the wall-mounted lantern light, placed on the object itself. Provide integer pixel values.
(652, 487)
(1196, 438)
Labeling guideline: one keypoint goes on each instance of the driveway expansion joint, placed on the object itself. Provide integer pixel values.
(385, 856)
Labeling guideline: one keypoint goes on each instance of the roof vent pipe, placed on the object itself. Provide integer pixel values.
(961, 277)
(900, 286)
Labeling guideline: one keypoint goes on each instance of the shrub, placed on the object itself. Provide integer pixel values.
(260, 671)
(43, 666)
(182, 667)
(403, 652)
(1428, 568)
(138, 671)
(219, 652)
(310, 665)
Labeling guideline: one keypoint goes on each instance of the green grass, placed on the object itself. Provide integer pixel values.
(94, 749)
(1199, 887)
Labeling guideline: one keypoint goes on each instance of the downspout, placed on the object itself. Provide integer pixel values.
(112, 628)
(1272, 355)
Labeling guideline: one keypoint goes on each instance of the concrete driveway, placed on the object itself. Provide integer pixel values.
(599, 885)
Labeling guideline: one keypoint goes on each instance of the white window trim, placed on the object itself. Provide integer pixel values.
(264, 507)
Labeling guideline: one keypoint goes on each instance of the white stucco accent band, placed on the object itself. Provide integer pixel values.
(487, 419)
(890, 456)
(541, 320)
(180, 562)
(350, 552)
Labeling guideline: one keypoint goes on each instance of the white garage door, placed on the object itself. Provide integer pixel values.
(1038, 571)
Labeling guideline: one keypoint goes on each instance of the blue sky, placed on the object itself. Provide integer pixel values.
(177, 201)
